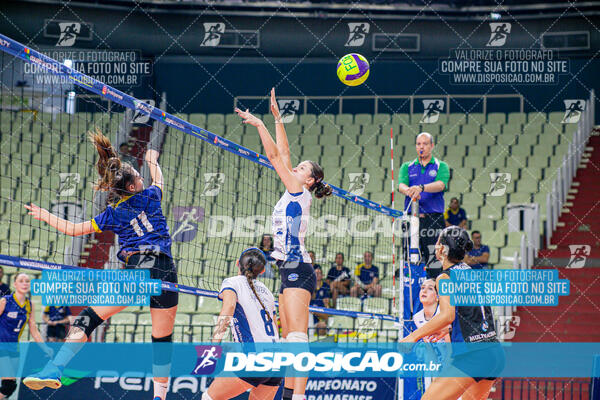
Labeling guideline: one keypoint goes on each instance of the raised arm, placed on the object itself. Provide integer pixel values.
(280, 135)
(155, 171)
(62, 225)
(292, 184)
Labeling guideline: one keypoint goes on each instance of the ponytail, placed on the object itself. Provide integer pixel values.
(252, 263)
(114, 176)
(320, 188)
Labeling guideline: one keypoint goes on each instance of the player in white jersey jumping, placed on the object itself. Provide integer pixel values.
(249, 309)
(290, 218)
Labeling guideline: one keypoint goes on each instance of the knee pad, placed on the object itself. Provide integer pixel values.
(205, 396)
(162, 352)
(297, 337)
(8, 387)
(87, 321)
(164, 339)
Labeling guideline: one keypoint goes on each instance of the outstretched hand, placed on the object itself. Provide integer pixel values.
(275, 107)
(249, 118)
(37, 212)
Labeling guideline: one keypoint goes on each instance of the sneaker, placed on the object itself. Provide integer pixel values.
(48, 377)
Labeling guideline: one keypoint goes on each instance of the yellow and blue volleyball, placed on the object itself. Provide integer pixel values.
(353, 69)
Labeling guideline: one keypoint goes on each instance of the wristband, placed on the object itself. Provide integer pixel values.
(422, 187)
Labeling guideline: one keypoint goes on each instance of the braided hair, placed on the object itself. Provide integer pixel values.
(252, 263)
(458, 242)
(115, 175)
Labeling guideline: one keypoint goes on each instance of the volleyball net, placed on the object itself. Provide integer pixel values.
(219, 191)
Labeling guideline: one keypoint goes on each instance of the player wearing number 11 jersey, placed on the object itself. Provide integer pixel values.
(135, 215)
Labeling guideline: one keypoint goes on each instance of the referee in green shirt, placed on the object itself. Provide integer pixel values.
(424, 179)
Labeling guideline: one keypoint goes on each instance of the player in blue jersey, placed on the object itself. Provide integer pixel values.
(469, 324)
(136, 216)
(16, 311)
(289, 225)
(249, 311)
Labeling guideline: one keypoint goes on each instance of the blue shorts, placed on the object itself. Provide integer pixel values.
(161, 267)
(296, 274)
(263, 381)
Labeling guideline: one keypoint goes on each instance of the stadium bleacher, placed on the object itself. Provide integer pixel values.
(529, 146)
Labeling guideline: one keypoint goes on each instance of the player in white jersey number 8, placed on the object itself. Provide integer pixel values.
(249, 310)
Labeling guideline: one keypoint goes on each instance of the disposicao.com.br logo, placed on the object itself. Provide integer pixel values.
(369, 362)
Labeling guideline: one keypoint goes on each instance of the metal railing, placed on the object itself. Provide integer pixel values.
(566, 172)
(411, 99)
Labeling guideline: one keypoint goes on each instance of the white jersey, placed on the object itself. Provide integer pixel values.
(250, 322)
(419, 317)
(419, 320)
(290, 222)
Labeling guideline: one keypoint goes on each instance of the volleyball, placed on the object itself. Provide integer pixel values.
(353, 69)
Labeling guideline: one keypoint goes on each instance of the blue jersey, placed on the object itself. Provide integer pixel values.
(13, 319)
(57, 313)
(366, 275)
(478, 253)
(455, 218)
(324, 292)
(139, 223)
(472, 324)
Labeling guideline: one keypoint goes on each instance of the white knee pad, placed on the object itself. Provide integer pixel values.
(205, 396)
(297, 337)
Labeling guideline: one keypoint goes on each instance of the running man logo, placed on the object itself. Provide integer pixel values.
(579, 254)
(500, 32)
(68, 33)
(207, 359)
(358, 182)
(212, 183)
(212, 34)
(508, 326)
(288, 109)
(367, 328)
(432, 110)
(573, 110)
(358, 33)
(81, 322)
(186, 223)
(68, 184)
(500, 182)
(143, 109)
